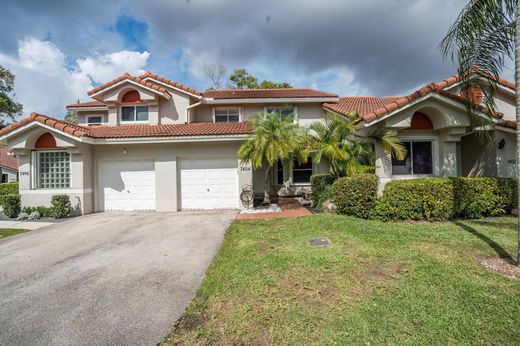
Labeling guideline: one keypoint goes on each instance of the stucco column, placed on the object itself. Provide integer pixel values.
(245, 179)
(383, 167)
(448, 155)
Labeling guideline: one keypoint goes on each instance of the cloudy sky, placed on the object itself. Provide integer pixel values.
(60, 49)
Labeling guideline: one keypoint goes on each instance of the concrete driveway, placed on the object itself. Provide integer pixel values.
(104, 279)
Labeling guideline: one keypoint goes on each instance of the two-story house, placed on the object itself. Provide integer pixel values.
(149, 143)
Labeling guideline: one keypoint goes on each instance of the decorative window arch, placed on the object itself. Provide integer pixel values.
(420, 121)
(131, 96)
(45, 141)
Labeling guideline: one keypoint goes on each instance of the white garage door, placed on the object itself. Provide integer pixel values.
(209, 184)
(127, 185)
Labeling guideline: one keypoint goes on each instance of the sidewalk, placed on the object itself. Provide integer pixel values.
(30, 225)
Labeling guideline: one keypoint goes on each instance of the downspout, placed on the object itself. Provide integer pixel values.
(190, 108)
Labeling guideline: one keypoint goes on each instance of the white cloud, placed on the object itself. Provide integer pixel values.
(45, 84)
(106, 67)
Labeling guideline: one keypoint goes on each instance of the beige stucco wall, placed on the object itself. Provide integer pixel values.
(478, 155)
(174, 110)
(307, 113)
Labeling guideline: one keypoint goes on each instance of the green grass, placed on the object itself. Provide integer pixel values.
(7, 232)
(390, 283)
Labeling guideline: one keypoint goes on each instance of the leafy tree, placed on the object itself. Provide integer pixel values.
(339, 142)
(71, 117)
(241, 79)
(275, 137)
(485, 34)
(9, 108)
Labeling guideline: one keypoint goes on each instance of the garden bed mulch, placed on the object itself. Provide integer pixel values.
(502, 266)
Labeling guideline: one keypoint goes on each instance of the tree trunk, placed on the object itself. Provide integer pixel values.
(517, 106)
(267, 198)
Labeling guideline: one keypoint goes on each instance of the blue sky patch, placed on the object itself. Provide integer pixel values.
(133, 32)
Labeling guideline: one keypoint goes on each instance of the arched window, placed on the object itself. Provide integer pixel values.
(45, 141)
(420, 121)
(131, 96)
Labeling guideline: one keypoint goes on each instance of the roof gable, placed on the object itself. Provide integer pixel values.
(129, 79)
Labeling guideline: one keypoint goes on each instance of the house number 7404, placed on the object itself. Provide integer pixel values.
(245, 168)
(24, 173)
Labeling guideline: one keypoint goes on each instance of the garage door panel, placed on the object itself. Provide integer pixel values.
(127, 185)
(209, 184)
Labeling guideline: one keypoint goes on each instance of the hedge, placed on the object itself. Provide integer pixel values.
(9, 188)
(11, 205)
(321, 188)
(60, 206)
(355, 195)
(416, 199)
(446, 198)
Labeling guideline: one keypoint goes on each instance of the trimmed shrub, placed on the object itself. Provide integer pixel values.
(321, 188)
(11, 205)
(60, 206)
(416, 199)
(9, 188)
(355, 195)
(43, 211)
(489, 196)
(22, 216)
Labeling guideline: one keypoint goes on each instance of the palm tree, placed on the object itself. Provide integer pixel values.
(486, 34)
(275, 137)
(340, 143)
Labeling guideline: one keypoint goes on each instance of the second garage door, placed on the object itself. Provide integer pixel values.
(209, 184)
(127, 185)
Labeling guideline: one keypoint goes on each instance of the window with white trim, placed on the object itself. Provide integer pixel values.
(301, 172)
(133, 114)
(94, 120)
(227, 115)
(53, 169)
(418, 160)
(285, 111)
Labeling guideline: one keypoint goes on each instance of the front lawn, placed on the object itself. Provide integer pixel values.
(417, 283)
(6, 232)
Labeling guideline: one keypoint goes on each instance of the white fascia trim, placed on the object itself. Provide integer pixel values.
(416, 101)
(87, 109)
(505, 129)
(294, 100)
(177, 139)
(53, 191)
(174, 88)
(500, 86)
(50, 128)
(165, 95)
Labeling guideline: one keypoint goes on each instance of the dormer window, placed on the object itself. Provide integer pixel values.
(134, 114)
(226, 114)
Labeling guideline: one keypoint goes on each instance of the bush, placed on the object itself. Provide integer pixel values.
(11, 205)
(321, 188)
(477, 197)
(446, 198)
(416, 199)
(9, 188)
(60, 206)
(43, 211)
(22, 216)
(34, 215)
(355, 195)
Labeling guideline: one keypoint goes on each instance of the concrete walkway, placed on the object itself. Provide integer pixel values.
(30, 225)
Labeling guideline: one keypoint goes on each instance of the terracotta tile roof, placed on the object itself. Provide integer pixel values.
(129, 77)
(70, 128)
(134, 131)
(170, 130)
(7, 160)
(169, 82)
(361, 104)
(397, 102)
(510, 124)
(87, 104)
(265, 93)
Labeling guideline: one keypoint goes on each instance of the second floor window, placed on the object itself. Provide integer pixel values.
(227, 115)
(134, 113)
(94, 120)
(285, 111)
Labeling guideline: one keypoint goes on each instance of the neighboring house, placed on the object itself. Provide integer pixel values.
(8, 166)
(148, 143)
